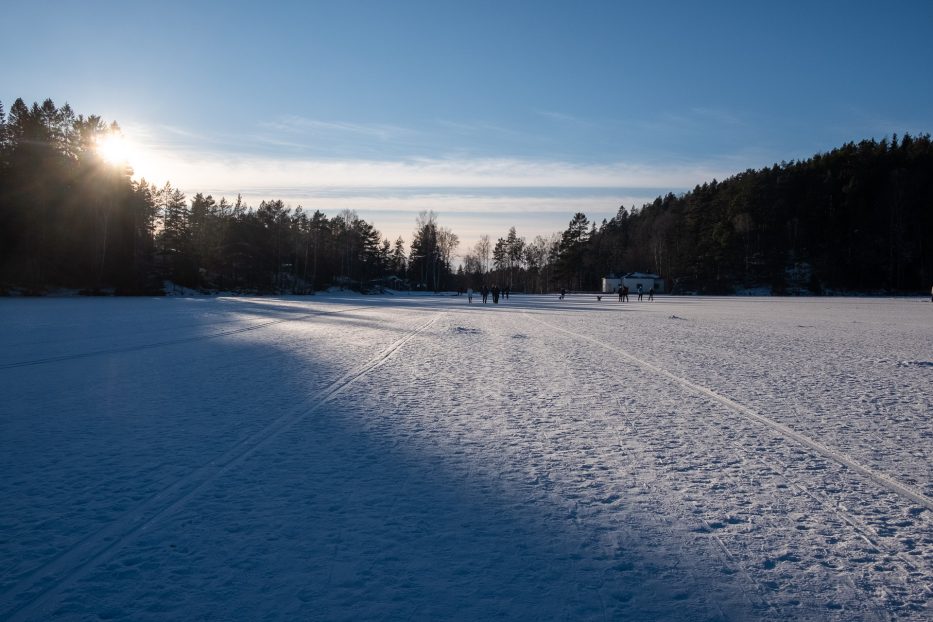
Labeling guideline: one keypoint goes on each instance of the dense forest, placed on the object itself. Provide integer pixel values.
(859, 218)
(71, 219)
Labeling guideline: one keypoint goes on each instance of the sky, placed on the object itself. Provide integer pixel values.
(491, 114)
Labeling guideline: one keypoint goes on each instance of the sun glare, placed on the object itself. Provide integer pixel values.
(114, 149)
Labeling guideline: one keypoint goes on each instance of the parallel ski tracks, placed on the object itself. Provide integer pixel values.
(55, 576)
(752, 590)
(173, 342)
(886, 481)
(864, 531)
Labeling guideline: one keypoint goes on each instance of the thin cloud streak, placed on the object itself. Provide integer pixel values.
(297, 124)
(200, 171)
(561, 117)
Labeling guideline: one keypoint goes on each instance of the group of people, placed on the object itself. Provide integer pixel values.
(485, 291)
(624, 290)
(497, 293)
(623, 293)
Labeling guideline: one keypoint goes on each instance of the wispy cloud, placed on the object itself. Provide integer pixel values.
(564, 118)
(719, 116)
(472, 128)
(692, 121)
(301, 125)
(191, 170)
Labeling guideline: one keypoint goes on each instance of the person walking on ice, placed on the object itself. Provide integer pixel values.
(640, 292)
(470, 295)
(651, 293)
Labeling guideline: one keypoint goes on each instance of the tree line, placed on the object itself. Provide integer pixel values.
(859, 218)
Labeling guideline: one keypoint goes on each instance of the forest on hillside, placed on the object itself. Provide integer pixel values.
(856, 219)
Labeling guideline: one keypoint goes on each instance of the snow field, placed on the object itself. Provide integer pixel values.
(375, 458)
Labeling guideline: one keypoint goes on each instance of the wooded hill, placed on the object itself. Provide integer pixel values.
(856, 219)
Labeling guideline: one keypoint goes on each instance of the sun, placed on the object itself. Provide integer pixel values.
(114, 149)
(129, 156)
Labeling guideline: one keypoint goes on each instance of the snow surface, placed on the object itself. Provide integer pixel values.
(348, 458)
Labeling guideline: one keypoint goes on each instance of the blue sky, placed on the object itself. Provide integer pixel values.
(491, 113)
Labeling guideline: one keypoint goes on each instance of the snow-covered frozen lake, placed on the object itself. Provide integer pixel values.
(349, 458)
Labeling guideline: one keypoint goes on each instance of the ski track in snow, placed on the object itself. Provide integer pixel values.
(168, 342)
(93, 550)
(419, 458)
(880, 478)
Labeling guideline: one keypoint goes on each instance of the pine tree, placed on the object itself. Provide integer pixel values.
(174, 238)
(572, 248)
(515, 250)
(201, 222)
(398, 263)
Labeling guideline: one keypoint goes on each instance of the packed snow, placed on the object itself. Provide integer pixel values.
(391, 457)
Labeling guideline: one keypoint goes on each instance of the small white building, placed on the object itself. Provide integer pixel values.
(646, 280)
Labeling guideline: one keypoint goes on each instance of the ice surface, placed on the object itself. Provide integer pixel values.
(423, 458)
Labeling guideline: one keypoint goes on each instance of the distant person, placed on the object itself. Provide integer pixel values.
(485, 292)
(640, 293)
(495, 294)
(470, 295)
(625, 293)
(620, 293)
(651, 293)
(563, 292)
(507, 289)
